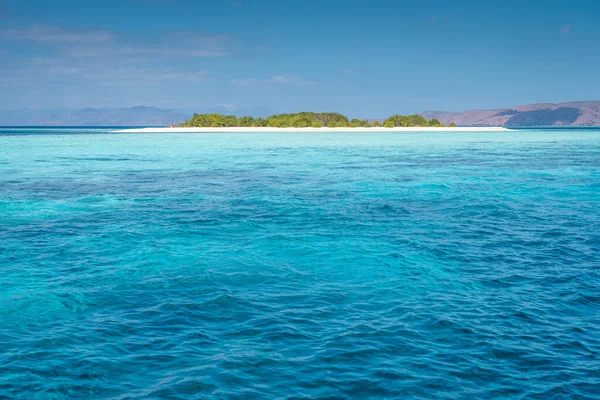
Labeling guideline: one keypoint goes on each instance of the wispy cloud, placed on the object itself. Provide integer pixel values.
(275, 80)
(291, 80)
(110, 58)
(136, 76)
(103, 43)
(197, 44)
(55, 34)
(132, 76)
(245, 82)
(69, 71)
(78, 60)
(566, 29)
(167, 51)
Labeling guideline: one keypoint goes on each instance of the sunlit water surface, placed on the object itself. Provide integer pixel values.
(299, 265)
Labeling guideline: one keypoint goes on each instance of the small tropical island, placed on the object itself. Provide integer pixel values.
(307, 120)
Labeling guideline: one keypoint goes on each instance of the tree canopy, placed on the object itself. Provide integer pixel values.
(411, 121)
(306, 120)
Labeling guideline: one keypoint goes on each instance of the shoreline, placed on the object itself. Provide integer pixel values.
(270, 129)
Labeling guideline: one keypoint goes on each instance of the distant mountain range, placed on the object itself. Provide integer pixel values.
(134, 116)
(578, 113)
(581, 113)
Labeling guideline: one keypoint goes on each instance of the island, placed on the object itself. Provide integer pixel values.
(307, 122)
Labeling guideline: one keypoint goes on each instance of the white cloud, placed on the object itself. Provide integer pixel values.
(55, 34)
(173, 51)
(185, 77)
(101, 43)
(274, 80)
(134, 76)
(47, 70)
(105, 58)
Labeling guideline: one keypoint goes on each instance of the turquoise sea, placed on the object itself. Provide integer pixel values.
(299, 265)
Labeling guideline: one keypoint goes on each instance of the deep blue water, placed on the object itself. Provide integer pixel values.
(299, 265)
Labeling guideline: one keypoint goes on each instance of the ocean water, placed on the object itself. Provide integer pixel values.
(299, 265)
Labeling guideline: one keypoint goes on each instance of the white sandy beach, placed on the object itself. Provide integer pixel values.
(267, 129)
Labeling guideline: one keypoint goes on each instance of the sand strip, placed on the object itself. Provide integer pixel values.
(267, 129)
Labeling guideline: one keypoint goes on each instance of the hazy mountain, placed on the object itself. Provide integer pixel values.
(583, 113)
(134, 116)
(579, 113)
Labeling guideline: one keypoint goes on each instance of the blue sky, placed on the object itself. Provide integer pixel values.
(363, 58)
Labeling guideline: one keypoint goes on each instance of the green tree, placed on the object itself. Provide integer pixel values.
(452, 125)
(276, 122)
(260, 122)
(245, 121)
(303, 122)
(355, 123)
(416, 120)
(388, 124)
(397, 120)
(376, 124)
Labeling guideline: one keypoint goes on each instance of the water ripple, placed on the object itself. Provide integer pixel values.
(300, 266)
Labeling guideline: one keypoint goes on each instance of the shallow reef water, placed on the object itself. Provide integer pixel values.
(299, 265)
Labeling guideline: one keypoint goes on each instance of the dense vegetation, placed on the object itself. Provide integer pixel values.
(306, 120)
